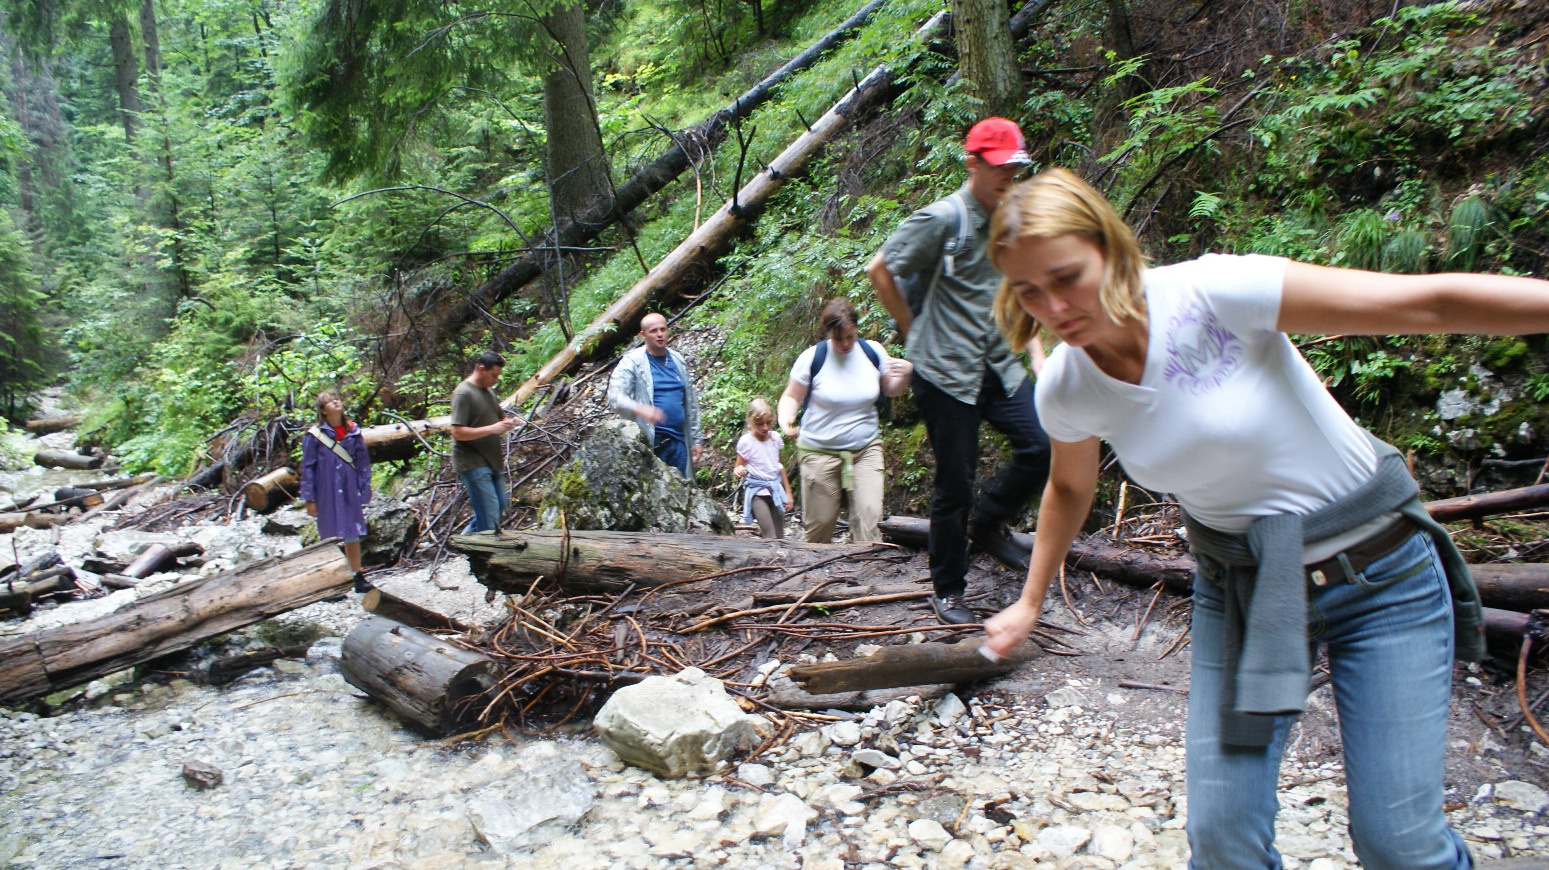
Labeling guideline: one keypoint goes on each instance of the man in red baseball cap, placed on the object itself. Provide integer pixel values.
(964, 374)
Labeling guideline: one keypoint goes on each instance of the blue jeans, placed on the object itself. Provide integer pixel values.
(487, 494)
(672, 451)
(1389, 638)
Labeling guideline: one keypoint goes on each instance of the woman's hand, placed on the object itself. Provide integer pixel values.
(311, 508)
(1010, 627)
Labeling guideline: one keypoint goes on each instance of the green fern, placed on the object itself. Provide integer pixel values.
(1406, 252)
(1467, 230)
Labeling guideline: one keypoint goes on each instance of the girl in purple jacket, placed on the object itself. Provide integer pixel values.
(336, 479)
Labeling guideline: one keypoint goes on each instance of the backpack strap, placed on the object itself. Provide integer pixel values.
(820, 356)
(327, 440)
(958, 243)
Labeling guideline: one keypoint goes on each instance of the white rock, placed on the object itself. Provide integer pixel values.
(783, 816)
(711, 805)
(675, 725)
(949, 709)
(1069, 696)
(876, 758)
(929, 834)
(955, 854)
(843, 733)
(1522, 796)
(554, 793)
(758, 775)
(1062, 841)
(1112, 842)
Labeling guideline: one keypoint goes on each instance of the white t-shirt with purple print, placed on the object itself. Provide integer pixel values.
(1228, 416)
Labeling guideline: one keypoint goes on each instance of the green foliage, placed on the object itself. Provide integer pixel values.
(23, 345)
(1467, 230)
(1407, 252)
(1362, 236)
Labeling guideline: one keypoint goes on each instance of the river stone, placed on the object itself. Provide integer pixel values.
(1522, 796)
(287, 521)
(1062, 841)
(675, 725)
(929, 833)
(546, 790)
(783, 816)
(616, 483)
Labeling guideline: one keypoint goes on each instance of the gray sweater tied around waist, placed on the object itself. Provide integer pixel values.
(1267, 669)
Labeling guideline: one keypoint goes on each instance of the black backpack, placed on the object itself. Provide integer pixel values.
(820, 356)
(917, 286)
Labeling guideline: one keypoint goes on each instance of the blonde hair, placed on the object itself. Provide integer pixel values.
(758, 409)
(1058, 203)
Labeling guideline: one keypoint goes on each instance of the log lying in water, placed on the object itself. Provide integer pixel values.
(172, 620)
(65, 459)
(438, 687)
(610, 562)
(49, 425)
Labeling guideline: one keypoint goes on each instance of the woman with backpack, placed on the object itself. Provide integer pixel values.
(834, 389)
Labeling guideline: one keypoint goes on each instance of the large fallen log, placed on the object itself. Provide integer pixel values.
(910, 665)
(168, 621)
(610, 562)
(72, 496)
(50, 425)
(438, 687)
(1519, 587)
(49, 458)
(32, 520)
(389, 606)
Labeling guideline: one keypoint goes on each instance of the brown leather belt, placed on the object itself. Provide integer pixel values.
(1357, 558)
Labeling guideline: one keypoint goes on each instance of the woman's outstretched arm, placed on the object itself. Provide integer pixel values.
(1067, 499)
(1321, 300)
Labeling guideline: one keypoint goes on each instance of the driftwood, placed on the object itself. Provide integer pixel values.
(271, 490)
(72, 496)
(49, 458)
(228, 668)
(121, 497)
(32, 520)
(151, 559)
(19, 595)
(610, 562)
(168, 621)
(438, 687)
(910, 665)
(389, 606)
(49, 425)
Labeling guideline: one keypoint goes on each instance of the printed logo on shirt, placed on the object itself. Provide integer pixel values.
(1201, 353)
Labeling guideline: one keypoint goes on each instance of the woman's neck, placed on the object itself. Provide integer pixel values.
(335, 420)
(1121, 355)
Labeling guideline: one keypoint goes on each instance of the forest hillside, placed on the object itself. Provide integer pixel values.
(215, 209)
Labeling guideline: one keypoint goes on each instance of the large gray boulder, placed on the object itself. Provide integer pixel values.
(616, 483)
(676, 725)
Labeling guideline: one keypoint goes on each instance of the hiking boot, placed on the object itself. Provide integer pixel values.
(362, 585)
(994, 541)
(951, 610)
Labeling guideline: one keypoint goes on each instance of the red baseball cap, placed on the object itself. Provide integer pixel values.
(998, 142)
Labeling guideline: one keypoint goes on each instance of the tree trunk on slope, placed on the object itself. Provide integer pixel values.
(125, 75)
(578, 169)
(986, 54)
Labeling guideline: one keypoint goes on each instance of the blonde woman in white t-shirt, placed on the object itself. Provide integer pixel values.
(1307, 530)
(838, 444)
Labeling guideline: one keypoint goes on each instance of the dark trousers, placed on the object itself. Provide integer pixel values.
(672, 451)
(953, 429)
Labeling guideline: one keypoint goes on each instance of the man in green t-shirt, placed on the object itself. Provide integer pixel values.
(479, 427)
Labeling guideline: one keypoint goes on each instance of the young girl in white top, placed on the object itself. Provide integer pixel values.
(1307, 530)
(766, 488)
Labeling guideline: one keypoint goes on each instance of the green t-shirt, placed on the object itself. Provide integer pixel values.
(472, 406)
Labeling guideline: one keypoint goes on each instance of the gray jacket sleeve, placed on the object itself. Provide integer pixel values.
(622, 386)
(695, 434)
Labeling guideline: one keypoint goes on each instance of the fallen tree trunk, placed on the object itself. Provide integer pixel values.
(438, 687)
(389, 606)
(610, 562)
(122, 497)
(32, 520)
(50, 425)
(707, 242)
(172, 620)
(49, 458)
(1476, 507)
(151, 559)
(118, 482)
(71, 496)
(646, 181)
(910, 665)
(271, 490)
(228, 668)
(1520, 587)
